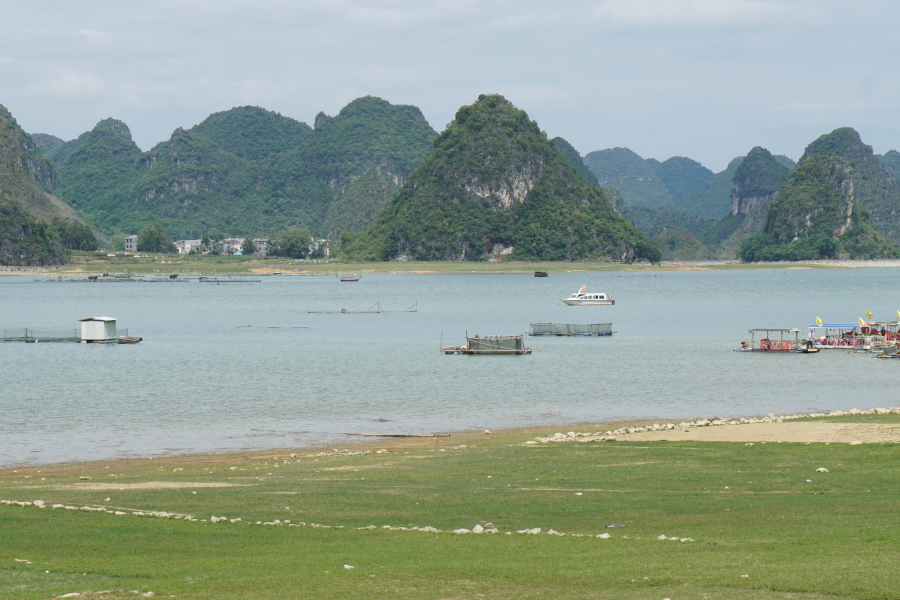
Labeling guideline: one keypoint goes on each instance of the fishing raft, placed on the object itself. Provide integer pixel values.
(490, 344)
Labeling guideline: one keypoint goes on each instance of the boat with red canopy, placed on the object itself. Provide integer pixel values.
(768, 342)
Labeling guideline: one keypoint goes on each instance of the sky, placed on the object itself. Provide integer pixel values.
(707, 79)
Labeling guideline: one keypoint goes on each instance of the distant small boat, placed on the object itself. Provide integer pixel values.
(276, 272)
(349, 277)
(583, 298)
(541, 274)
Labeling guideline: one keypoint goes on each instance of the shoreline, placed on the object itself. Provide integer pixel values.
(733, 429)
(86, 263)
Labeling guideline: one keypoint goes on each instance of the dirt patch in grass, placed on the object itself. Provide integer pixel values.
(147, 485)
(807, 431)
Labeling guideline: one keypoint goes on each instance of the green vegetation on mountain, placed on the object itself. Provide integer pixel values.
(25, 241)
(891, 161)
(47, 144)
(575, 159)
(756, 180)
(493, 184)
(248, 171)
(874, 188)
(34, 225)
(721, 231)
(816, 214)
(785, 161)
(97, 172)
(754, 186)
(253, 133)
(25, 173)
(681, 176)
(650, 219)
(677, 243)
(631, 175)
(714, 198)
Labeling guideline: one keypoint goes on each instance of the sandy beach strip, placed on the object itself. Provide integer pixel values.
(803, 431)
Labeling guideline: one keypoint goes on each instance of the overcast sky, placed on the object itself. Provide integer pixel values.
(708, 79)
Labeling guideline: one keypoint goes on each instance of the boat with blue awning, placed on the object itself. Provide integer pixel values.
(845, 336)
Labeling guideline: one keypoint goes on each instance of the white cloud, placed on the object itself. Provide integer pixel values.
(45, 79)
(820, 107)
(707, 79)
(93, 34)
(696, 14)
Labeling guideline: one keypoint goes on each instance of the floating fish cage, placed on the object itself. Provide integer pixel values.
(490, 344)
(94, 330)
(39, 335)
(598, 329)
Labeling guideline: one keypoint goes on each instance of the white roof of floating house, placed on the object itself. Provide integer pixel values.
(98, 328)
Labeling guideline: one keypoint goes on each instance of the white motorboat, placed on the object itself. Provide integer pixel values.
(583, 298)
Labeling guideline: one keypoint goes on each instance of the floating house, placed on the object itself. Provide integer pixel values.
(98, 329)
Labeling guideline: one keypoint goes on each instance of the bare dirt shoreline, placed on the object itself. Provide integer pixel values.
(805, 431)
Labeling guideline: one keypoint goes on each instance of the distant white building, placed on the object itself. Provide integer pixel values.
(187, 246)
(262, 246)
(131, 243)
(232, 245)
(323, 244)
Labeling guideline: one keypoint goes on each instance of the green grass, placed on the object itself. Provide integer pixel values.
(836, 536)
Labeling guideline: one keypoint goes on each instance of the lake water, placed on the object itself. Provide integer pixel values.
(213, 373)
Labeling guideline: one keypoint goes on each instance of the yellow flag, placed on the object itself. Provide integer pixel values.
(868, 315)
(898, 314)
(819, 321)
(861, 322)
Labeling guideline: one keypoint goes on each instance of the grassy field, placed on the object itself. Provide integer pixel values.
(765, 524)
(99, 262)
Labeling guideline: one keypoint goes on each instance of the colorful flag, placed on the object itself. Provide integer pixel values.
(819, 321)
(861, 322)
(868, 315)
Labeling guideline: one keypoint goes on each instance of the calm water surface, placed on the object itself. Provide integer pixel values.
(214, 373)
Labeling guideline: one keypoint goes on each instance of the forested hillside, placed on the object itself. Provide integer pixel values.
(633, 177)
(817, 214)
(575, 159)
(891, 162)
(681, 176)
(495, 186)
(755, 185)
(875, 188)
(246, 171)
(34, 225)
